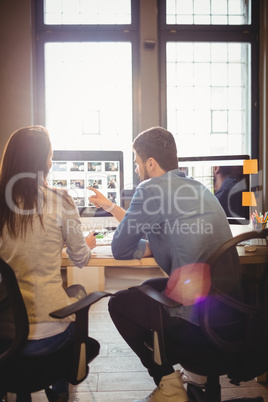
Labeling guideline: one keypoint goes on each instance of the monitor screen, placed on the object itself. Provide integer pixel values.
(223, 176)
(77, 170)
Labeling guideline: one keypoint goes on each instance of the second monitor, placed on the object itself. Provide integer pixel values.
(224, 177)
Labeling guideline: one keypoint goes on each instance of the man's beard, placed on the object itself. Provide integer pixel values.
(145, 174)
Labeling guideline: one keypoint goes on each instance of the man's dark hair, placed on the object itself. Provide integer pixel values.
(225, 170)
(232, 171)
(157, 143)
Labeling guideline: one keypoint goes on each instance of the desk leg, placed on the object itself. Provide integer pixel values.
(92, 278)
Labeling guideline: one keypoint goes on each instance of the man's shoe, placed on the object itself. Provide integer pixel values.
(170, 389)
(188, 377)
(53, 396)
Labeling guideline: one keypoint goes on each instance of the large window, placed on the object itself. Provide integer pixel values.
(209, 73)
(208, 90)
(85, 75)
(88, 87)
(106, 70)
(87, 12)
(208, 12)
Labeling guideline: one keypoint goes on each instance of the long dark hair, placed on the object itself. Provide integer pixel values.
(24, 168)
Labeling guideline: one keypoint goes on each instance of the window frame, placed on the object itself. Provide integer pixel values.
(45, 33)
(213, 33)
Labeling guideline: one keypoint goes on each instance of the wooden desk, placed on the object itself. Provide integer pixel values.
(93, 278)
(260, 256)
(101, 257)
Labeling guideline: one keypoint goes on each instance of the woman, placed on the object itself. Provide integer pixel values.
(35, 223)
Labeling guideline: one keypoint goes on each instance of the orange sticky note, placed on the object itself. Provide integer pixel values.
(250, 166)
(248, 199)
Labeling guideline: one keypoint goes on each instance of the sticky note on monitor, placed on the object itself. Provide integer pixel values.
(248, 199)
(250, 166)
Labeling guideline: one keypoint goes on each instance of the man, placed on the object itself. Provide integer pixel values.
(228, 188)
(178, 221)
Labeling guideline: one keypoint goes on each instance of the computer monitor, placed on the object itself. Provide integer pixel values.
(76, 170)
(223, 176)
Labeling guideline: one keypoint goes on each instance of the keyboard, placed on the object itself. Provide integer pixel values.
(253, 242)
(103, 237)
(258, 242)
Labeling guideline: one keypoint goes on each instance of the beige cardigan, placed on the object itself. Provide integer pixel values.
(36, 260)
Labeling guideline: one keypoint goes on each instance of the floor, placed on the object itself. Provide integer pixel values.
(117, 375)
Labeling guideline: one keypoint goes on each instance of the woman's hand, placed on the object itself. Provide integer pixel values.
(91, 240)
(99, 200)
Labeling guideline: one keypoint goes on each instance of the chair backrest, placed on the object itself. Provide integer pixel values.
(239, 324)
(14, 325)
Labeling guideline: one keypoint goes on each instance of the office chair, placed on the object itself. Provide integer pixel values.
(25, 375)
(239, 348)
